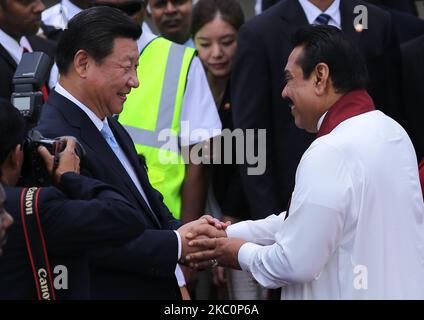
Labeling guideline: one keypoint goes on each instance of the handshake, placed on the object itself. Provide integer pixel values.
(205, 244)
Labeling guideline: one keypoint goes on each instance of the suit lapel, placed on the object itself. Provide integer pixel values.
(132, 157)
(91, 137)
(8, 57)
(293, 16)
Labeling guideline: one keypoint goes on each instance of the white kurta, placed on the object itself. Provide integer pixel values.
(355, 229)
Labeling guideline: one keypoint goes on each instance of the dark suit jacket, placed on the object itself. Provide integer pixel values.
(413, 86)
(8, 65)
(257, 81)
(83, 215)
(144, 268)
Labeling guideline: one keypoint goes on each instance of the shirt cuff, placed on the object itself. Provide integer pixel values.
(179, 246)
(247, 254)
(180, 276)
(236, 230)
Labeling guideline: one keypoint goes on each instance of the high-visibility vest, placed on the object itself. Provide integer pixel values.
(151, 115)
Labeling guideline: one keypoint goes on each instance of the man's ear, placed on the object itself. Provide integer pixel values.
(321, 74)
(81, 63)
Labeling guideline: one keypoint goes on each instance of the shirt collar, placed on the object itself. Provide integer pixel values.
(69, 10)
(96, 120)
(189, 43)
(11, 45)
(145, 39)
(312, 12)
(321, 119)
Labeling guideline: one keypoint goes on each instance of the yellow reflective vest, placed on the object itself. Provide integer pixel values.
(151, 115)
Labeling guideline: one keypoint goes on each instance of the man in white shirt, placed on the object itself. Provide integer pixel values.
(354, 229)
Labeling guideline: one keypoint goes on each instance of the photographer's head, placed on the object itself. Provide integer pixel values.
(20, 17)
(323, 66)
(97, 57)
(12, 136)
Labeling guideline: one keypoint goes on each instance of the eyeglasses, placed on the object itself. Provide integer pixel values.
(130, 7)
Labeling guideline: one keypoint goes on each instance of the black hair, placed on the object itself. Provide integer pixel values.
(94, 30)
(206, 10)
(328, 44)
(12, 129)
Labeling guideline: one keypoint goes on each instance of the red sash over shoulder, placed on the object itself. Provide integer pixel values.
(351, 104)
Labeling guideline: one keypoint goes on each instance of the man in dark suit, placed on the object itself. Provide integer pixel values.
(19, 22)
(257, 79)
(77, 216)
(97, 71)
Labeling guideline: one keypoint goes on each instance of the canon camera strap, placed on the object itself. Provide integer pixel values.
(36, 245)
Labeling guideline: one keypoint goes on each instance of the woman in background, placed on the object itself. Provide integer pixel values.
(215, 24)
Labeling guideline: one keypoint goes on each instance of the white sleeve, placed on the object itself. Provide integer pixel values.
(308, 238)
(199, 115)
(259, 231)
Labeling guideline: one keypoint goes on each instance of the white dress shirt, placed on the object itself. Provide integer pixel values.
(356, 223)
(198, 109)
(312, 12)
(16, 51)
(59, 15)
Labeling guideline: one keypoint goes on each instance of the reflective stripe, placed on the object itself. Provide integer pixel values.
(166, 106)
(148, 138)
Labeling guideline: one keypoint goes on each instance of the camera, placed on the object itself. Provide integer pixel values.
(27, 97)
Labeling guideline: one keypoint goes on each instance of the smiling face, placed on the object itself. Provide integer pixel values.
(21, 17)
(173, 18)
(112, 79)
(216, 43)
(304, 103)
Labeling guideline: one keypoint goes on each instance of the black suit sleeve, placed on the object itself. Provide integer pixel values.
(251, 94)
(87, 214)
(153, 254)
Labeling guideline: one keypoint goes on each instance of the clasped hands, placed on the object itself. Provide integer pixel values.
(205, 244)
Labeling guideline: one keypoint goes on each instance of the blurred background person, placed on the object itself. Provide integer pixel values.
(55, 19)
(173, 19)
(58, 15)
(214, 28)
(19, 23)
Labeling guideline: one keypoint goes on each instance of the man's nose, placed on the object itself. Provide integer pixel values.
(284, 92)
(133, 82)
(170, 7)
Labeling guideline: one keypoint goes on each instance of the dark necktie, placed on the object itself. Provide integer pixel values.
(323, 19)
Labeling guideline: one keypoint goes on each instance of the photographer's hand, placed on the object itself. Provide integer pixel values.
(68, 160)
